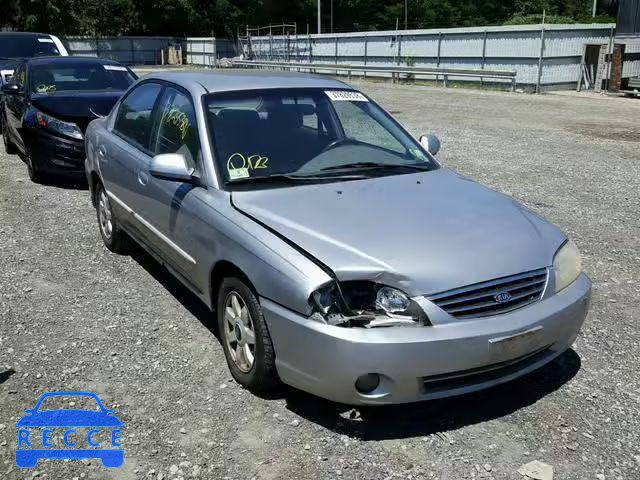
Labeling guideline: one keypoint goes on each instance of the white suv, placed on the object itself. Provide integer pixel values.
(16, 46)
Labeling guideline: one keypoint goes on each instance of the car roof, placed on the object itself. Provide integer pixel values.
(70, 60)
(234, 80)
(24, 34)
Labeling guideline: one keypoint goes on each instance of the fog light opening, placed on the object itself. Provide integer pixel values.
(367, 383)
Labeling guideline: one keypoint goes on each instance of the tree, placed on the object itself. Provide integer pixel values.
(223, 17)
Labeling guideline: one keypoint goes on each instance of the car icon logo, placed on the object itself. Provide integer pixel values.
(502, 297)
(36, 434)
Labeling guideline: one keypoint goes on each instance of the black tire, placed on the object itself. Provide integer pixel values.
(114, 238)
(261, 376)
(33, 168)
(9, 147)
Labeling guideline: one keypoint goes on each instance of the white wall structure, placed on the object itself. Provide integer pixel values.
(127, 50)
(547, 56)
(631, 67)
(204, 51)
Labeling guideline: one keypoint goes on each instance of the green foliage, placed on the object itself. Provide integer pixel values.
(536, 19)
(225, 17)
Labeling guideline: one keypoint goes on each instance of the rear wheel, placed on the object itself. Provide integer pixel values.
(9, 147)
(245, 338)
(114, 238)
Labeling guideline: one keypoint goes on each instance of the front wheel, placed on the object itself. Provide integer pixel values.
(33, 167)
(245, 338)
(114, 238)
(9, 147)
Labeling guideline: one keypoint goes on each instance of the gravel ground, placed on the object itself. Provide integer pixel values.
(74, 316)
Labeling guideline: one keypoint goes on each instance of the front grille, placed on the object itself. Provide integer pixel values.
(494, 296)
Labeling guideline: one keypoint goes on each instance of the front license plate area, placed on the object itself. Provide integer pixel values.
(519, 344)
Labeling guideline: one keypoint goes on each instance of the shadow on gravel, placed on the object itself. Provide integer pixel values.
(65, 183)
(175, 288)
(4, 376)
(398, 421)
(436, 416)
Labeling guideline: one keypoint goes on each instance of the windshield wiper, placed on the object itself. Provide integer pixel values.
(290, 179)
(373, 165)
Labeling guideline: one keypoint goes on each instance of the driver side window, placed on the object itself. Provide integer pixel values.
(177, 130)
(19, 76)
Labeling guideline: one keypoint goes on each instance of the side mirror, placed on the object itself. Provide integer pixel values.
(172, 167)
(11, 89)
(431, 143)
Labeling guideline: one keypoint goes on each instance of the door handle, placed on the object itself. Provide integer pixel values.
(143, 178)
(102, 151)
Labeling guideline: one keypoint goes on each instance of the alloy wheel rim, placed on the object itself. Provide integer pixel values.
(105, 215)
(239, 332)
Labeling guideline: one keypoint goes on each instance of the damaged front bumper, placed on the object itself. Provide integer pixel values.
(425, 362)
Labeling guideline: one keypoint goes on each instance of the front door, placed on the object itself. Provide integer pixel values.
(169, 205)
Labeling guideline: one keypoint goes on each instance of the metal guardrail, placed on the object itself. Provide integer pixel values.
(395, 72)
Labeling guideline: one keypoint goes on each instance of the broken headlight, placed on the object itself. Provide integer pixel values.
(59, 126)
(367, 304)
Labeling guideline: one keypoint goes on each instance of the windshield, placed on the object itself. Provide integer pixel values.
(308, 133)
(21, 46)
(79, 76)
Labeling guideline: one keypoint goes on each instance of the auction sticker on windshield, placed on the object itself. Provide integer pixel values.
(235, 173)
(346, 96)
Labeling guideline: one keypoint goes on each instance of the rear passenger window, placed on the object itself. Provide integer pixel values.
(134, 120)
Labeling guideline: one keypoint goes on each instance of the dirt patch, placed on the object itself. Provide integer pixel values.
(606, 132)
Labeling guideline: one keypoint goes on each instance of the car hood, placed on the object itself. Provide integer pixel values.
(424, 233)
(69, 418)
(77, 107)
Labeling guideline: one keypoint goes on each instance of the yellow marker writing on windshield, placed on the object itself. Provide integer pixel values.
(253, 162)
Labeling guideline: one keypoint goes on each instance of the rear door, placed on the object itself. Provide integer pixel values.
(123, 153)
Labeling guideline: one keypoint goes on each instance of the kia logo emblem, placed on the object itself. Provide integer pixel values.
(502, 297)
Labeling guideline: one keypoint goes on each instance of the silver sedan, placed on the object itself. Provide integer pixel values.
(339, 256)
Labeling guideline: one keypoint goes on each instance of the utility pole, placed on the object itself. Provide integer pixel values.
(319, 18)
(595, 5)
(406, 14)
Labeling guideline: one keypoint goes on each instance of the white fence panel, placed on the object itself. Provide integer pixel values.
(512, 48)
